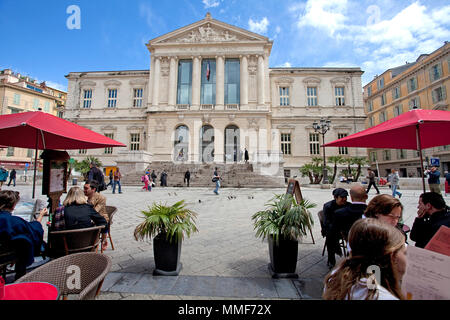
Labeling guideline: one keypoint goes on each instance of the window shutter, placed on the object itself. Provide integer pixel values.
(434, 96)
(408, 85)
(418, 102)
(444, 94)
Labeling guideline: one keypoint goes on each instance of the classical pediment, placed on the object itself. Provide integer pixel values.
(208, 30)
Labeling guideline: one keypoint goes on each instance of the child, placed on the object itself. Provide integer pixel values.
(144, 179)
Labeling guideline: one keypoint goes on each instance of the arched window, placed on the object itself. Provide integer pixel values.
(181, 143)
(232, 152)
(207, 144)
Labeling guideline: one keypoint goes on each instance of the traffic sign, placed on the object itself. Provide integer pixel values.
(435, 162)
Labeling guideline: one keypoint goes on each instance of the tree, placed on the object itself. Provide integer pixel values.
(359, 161)
(348, 161)
(335, 160)
(313, 170)
(83, 166)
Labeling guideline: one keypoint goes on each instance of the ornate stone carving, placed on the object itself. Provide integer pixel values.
(206, 118)
(206, 33)
(253, 123)
(252, 65)
(165, 67)
(112, 83)
(87, 83)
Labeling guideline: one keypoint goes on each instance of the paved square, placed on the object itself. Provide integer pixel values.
(224, 259)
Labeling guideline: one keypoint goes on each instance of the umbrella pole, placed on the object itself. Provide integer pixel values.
(419, 147)
(35, 163)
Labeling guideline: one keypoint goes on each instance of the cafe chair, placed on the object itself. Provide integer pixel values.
(7, 258)
(79, 276)
(342, 240)
(62, 243)
(110, 210)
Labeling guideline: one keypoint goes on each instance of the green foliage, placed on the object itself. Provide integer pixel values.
(284, 217)
(83, 166)
(313, 170)
(174, 221)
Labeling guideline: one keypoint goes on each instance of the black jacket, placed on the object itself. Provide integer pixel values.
(78, 216)
(345, 217)
(329, 209)
(424, 228)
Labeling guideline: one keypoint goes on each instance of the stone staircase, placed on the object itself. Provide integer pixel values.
(234, 175)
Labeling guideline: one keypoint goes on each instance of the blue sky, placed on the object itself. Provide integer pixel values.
(374, 35)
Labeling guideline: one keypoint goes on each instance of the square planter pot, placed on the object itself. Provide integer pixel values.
(283, 258)
(167, 256)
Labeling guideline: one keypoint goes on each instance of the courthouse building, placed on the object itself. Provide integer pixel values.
(210, 93)
(421, 84)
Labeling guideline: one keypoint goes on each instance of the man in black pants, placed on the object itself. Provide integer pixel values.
(371, 177)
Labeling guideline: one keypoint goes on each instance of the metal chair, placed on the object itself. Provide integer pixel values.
(79, 274)
(110, 210)
(342, 238)
(62, 243)
(7, 257)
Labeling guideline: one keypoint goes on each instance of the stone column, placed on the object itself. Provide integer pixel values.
(150, 82)
(156, 78)
(244, 83)
(261, 80)
(172, 98)
(196, 82)
(220, 82)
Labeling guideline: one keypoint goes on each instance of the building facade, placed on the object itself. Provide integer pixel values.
(209, 95)
(20, 93)
(423, 84)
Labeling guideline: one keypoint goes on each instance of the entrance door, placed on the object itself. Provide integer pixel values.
(207, 144)
(232, 141)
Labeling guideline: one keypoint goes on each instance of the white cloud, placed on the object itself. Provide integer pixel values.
(324, 14)
(56, 85)
(258, 27)
(211, 3)
(286, 65)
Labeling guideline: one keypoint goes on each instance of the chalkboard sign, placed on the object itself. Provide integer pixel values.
(294, 189)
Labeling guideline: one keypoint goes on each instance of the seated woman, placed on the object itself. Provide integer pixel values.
(16, 230)
(374, 244)
(387, 209)
(78, 213)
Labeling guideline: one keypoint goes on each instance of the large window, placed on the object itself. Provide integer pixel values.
(395, 93)
(412, 84)
(401, 154)
(109, 150)
(35, 103)
(137, 97)
(438, 94)
(383, 99)
(398, 110)
(184, 82)
(414, 103)
(232, 81)
(342, 150)
(112, 98)
(87, 98)
(340, 96)
(284, 96)
(10, 152)
(383, 116)
(135, 141)
(208, 90)
(386, 155)
(369, 91)
(370, 106)
(435, 72)
(286, 143)
(380, 83)
(311, 93)
(16, 98)
(314, 146)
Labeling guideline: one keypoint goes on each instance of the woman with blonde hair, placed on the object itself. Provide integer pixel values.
(375, 245)
(78, 213)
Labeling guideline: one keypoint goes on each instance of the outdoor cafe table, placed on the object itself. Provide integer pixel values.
(31, 291)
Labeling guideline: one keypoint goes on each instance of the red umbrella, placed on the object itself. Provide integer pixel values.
(416, 130)
(40, 130)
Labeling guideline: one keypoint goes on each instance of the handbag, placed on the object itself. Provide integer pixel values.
(215, 179)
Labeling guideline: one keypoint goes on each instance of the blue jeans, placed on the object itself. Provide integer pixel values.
(114, 186)
(216, 190)
(395, 192)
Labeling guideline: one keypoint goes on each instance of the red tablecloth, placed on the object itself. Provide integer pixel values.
(31, 291)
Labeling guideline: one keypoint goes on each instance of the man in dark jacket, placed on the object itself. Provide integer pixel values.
(433, 179)
(97, 175)
(432, 213)
(187, 177)
(340, 201)
(371, 177)
(345, 217)
(12, 177)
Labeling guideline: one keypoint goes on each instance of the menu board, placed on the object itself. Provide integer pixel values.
(57, 175)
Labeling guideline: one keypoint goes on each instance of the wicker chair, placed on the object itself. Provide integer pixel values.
(91, 267)
(62, 243)
(7, 257)
(110, 210)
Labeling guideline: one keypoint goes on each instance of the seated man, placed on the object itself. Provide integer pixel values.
(340, 201)
(98, 201)
(15, 229)
(345, 217)
(432, 214)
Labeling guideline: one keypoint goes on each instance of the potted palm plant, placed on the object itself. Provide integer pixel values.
(283, 223)
(167, 225)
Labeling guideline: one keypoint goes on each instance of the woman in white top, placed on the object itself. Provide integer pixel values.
(375, 245)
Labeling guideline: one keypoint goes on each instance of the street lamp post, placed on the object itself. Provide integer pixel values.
(322, 128)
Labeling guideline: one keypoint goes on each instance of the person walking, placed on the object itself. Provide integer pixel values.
(111, 179)
(117, 177)
(246, 155)
(145, 179)
(153, 180)
(97, 175)
(12, 177)
(187, 177)
(3, 176)
(371, 177)
(163, 178)
(395, 180)
(216, 178)
(433, 179)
